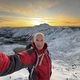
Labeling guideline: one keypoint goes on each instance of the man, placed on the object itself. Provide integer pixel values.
(36, 59)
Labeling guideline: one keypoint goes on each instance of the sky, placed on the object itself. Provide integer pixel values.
(16, 13)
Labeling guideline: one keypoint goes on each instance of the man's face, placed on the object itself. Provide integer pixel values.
(39, 41)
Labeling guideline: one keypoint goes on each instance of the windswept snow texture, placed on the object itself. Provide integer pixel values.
(63, 44)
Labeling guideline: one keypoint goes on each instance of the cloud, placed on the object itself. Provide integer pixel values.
(41, 8)
(2, 19)
(27, 7)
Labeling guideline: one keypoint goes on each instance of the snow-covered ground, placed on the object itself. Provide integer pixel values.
(64, 47)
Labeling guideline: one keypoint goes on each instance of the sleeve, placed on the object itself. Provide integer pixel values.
(4, 62)
(10, 64)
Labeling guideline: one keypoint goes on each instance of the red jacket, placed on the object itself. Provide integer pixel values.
(9, 64)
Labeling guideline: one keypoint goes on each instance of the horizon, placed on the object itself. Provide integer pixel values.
(35, 26)
(29, 13)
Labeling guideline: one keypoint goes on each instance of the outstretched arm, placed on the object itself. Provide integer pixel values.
(10, 64)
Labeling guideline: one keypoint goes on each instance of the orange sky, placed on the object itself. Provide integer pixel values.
(55, 21)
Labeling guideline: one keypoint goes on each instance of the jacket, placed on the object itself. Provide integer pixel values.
(12, 63)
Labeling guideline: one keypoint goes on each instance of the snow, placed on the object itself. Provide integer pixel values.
(18, 75)
(63, 45)
(8, 49)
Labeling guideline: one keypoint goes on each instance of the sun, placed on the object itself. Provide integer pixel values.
(36, 21)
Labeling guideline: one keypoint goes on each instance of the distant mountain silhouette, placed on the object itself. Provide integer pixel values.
(43, 25)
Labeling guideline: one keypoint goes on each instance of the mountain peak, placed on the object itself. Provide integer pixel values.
(43, 25)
